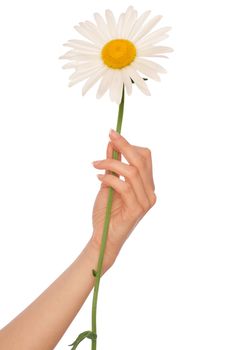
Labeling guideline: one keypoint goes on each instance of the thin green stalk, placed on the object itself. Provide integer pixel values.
(105, 232)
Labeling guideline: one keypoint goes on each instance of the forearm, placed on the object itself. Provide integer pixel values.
(45, 320)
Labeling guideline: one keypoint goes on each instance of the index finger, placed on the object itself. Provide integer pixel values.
(123, 146)
(139, 157)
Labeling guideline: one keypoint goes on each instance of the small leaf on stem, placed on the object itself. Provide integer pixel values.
(94, 273)
(82, 336)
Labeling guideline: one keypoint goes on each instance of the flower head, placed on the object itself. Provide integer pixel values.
(115, 51)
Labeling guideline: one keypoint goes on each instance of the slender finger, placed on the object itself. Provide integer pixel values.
(109, 155)
(121, 187)
(110, 149)
(123, 146)
(141, 159)
(142, 151)
(131, 175)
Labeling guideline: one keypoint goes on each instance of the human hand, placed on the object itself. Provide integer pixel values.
(132, 198)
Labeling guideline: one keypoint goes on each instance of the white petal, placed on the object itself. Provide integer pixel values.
(120, 25)
(127, 81)
(128, 13)
(84, 51)
(92, 28)
(137, 25)
(70, 65)
(146, 44)
(93, 79)
(77, 56)
(119, 84)
(85, 71)
(82, 58)
(83, 43)
(77, 75)
(112, 85)
(147, 28)
(82, 76)
(112, 26)
(67, 55)
(78, 46)
(162, 56)
(81, 66)
(102, 27)
(105, 83)
(150, 73)
(139, 82)
(73, 82)
(152, 65)
(153, 36)
(116, 86)
(153, 51)
(130, 23)
(90, 36)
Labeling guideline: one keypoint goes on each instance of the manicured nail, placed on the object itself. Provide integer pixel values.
(100, 176)
(114, 134)
(96, 162)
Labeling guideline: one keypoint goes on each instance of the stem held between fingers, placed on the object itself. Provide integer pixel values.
(105, 232)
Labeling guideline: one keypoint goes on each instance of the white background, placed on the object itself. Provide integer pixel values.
(170, 287)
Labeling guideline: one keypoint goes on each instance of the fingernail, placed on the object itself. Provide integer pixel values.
(114, 134)
(96, 162)
(100, 176)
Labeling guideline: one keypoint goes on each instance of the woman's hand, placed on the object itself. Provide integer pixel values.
(133, 196)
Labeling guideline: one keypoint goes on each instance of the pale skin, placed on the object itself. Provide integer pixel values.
(42, 324)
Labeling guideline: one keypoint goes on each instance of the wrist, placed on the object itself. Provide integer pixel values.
(93, 252)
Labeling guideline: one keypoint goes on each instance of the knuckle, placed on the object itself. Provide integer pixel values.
(141, 161)
(127, 188)
(147, 152)
(133, 171)
(153, 199)
(146, 206)
(140, 210)
(145, 156)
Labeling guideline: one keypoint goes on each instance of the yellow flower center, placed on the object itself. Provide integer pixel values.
(118, 53)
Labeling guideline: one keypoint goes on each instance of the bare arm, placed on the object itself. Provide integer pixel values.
(45, 320)
(41, 325)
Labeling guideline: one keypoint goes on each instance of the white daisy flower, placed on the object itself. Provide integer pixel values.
(115, 51)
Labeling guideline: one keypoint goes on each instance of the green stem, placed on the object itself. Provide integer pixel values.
(105, 232)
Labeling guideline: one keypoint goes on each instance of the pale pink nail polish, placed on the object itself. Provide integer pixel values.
(96, 162)
(114, 134)
(100, 176)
